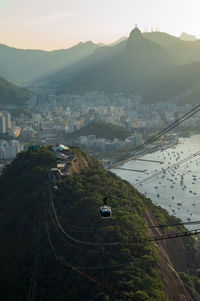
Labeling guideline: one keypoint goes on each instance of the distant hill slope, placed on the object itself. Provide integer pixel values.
(12, 94)
(149, 64)
(103, 130)
(24, 66)
(180, 51)
(144, 271)
(135, 65)
(187, 37)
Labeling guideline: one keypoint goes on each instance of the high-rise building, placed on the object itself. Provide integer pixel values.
(7, 116)
(2, 124)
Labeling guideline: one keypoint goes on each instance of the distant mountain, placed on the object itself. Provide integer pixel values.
(24, 66)
(187, 37)
(12, 94)
(133, 66)
(179, 51)
(181, 84)
(155, 65)
(118, 41)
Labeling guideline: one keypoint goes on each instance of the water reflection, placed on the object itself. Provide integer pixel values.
(175, 189)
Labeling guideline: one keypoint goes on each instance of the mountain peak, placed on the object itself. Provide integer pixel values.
(135, 34)
(135, 39)
(187, 37)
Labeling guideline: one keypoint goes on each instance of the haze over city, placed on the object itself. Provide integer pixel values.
(48, 25)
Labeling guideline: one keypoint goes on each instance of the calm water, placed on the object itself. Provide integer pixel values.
(176, 190)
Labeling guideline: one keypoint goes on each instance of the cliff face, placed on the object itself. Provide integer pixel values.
(173, 257)
(81, 161)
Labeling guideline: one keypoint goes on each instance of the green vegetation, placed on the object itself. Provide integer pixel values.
(163, 217)
(103, 130)
(191, 281)
(12, 94)
(25, 207)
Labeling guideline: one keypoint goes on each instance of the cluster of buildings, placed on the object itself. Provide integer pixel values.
(105, 145)
(70, 112)
(9, 149)
(8, 126)
(52, 116)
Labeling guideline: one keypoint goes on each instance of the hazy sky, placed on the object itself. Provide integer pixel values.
(54, 24)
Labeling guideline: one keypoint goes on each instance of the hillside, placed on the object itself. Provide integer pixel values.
(180, 52)
(132, 66)
(28, 227)
(149, 64)
(12, 94)
(24, 65)
(102, 130)
(187, 37)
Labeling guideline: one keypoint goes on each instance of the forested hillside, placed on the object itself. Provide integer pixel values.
(112, 251)
(103, 130)
(12, 94)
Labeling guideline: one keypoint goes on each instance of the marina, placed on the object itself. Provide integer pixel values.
(174, 185)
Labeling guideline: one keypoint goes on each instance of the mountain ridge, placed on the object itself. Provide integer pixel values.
(12, 94)
(27, 208)
(26, 65)
(154, 58)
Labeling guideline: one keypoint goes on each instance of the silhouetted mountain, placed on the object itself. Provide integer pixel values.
(23, 66)
(132, 66)
(182, 84)
(12, 94)
(155, 65)
(187, 37)
(179, 51)
(118, 41)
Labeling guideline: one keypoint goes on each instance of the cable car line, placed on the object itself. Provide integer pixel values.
(106, 266)
(172, 235)
(158, 135)
(169, 225)
(33, 283)
(98, 282)
(135, 229)
(129, 169)
(69, 236)
(169, 128)
(169, 236)
(102, 284)
(70, 244)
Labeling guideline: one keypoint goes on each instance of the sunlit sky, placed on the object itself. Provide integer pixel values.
(55, 24)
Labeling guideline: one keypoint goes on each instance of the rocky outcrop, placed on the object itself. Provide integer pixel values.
(172, 258)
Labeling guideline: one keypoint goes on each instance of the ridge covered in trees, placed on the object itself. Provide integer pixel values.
(12, 94)
(103, 130)
(25, 205)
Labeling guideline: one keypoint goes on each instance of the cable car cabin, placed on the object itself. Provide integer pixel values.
(105, 211)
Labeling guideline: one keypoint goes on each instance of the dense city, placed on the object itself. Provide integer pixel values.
(45, 119)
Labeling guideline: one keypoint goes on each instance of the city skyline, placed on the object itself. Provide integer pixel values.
(62, 24)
